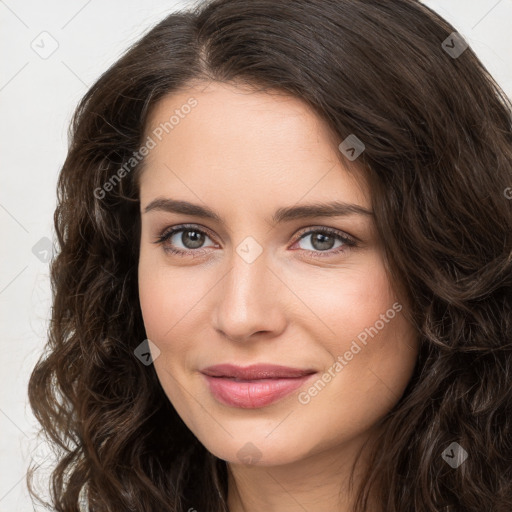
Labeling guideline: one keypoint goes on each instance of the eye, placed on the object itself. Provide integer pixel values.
(191, 238)
(323, 240)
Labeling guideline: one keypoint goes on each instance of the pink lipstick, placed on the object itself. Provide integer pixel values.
(253, 386)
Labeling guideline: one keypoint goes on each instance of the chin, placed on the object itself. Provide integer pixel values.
(256, 452)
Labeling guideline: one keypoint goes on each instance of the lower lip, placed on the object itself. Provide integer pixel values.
(252, 394)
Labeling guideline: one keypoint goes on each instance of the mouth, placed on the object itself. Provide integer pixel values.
(253, 386)
(255, 372)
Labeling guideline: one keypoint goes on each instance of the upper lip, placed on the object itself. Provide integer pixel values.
(255, 371)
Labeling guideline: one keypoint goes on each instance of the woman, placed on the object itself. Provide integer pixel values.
(284, 278)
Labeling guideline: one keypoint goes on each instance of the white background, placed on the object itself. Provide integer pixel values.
(37, 98)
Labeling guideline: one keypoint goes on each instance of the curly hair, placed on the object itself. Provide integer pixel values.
(437, 131)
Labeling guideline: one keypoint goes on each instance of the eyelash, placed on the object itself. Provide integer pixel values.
(166, 234)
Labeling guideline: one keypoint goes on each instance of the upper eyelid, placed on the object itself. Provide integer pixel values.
(183, 227)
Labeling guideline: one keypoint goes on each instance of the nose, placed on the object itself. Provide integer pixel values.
(249, 301)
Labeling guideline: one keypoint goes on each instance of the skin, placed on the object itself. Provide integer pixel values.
(245, 154)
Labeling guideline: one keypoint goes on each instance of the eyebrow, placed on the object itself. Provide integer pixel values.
(284, 214)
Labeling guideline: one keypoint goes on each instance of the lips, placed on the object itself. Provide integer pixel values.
(255, 372)
(253, 386)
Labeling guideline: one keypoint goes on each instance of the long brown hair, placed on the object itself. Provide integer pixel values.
(437, 132)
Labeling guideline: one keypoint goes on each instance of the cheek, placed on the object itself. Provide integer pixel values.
(162, 308)
(171, 306)
(367, 329)
(152, 303)
(353, 301)
(165, 297)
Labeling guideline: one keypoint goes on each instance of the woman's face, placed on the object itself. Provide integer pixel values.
(246, 290)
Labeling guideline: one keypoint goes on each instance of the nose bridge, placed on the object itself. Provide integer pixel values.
(247, 299)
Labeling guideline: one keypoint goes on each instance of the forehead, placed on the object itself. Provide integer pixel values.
(219, 139)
